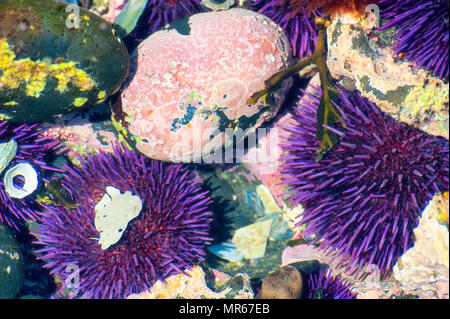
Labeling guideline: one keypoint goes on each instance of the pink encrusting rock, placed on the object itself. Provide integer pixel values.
(191, 81)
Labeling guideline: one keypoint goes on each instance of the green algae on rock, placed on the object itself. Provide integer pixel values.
(55, 58)
(364, 58)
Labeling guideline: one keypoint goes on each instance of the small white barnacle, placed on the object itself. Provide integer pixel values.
(217, 5)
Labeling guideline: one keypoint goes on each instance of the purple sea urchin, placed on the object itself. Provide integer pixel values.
(300, 27)
(366, 194)
(322, 285)
(422, 32)
(167, 237)
(32, 147)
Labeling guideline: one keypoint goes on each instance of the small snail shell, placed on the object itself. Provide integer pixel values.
(31, 180)
(216, 5)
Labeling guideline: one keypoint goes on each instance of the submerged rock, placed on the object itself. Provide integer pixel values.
(425, 266)
(226, 250)
(233, 191)
(251, 240)
(187, 91)
(11, 265)
(284, 283)
(55, 58)
(193, 286)
(83, 132)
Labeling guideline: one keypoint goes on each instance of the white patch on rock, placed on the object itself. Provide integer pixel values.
(113, 213)
(270, 58)
(428, 260)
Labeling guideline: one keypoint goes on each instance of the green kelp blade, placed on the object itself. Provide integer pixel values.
(327, 114)
(128, 17)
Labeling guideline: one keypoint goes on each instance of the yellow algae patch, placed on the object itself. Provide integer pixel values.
(4, 117)
(101, 95)
(79, 101)
(67, 73)
(34, 74)
(11, 103)
(6, 55)
(441, 208)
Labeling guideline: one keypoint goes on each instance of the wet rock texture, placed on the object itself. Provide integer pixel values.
(191, 81)
(425, 266)
(362, 57)
(51, 65)
(11, 265)
(194, 286)
(84, 132)
(285, 283)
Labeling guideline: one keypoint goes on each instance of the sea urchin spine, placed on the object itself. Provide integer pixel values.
(32, 147)
(299, 26)
(322, 285)
(422, 31)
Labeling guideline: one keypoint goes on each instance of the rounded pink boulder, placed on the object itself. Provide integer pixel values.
(187, 90)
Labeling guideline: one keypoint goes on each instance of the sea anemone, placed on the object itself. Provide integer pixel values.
(299, 26)
(32, 148)
(422, 32)
(322, 285)
(366, 195)
(166, 238)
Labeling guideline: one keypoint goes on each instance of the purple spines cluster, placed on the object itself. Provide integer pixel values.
(163, 12)
(168, 236)
(32, 147)
(300, 28)
(365, 196)
(423, 31)
(322, 285)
